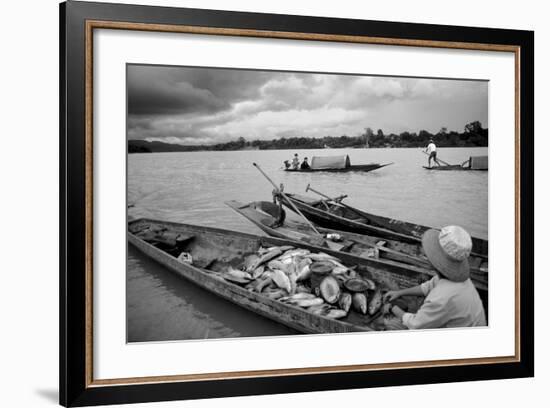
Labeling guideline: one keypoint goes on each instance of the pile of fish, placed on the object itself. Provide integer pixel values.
(285, 274)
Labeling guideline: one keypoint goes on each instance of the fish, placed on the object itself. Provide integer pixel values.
(285, 248)
(236, 276)
(341, 278)
(330, 289)
(339, 270)
(319, 309)
(281, 280)
(275, 293)
(337, 264)
(376, 302)
(292, 280)
(305, 303)
(359, 301)
(345, 301)
(321, 256)
(249, 261)
(258, 272)
(302, 289)
(298, 296)
(251, 286)
(275, 264)
(266, 257)
(304, 270)
(295, 252)
(372, 285)
(262, 284)
(336, 314)
(356, 285)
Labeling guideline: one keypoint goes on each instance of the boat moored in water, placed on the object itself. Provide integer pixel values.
(479, 163)
(266, 216)
(223, 261)
(336, 215)
(336, 164)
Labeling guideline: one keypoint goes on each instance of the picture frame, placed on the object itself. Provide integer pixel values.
(78, 20)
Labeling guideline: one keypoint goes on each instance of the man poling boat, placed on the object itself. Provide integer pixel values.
(431, 150)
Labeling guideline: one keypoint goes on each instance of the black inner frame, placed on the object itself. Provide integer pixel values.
(73, 391)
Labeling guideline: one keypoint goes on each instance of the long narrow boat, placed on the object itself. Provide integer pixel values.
(265, 215)
(332, 214)
(210, 251)
(357, 168)
(477, 163)
(337, 164)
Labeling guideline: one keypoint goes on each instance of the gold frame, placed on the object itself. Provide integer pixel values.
(99, 24)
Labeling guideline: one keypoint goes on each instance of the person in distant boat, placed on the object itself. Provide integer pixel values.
(287, 164)
(432, 151)
(304, 165)
(451, 298)
(295, 162)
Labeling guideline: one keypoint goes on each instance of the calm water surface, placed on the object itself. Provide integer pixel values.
(192, 187)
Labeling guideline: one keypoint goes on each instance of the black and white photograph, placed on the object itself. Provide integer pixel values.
(264, 203)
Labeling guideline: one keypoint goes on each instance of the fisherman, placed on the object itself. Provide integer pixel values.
(304, 165)
(295, 162)
(451, 298)
(432, 151)
(277, 199)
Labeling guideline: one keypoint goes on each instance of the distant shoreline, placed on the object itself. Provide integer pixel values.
(298, 149)
(473, 136)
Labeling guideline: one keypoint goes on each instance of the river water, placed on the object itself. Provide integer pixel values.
(192, 187)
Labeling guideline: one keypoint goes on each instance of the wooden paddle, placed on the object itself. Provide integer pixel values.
(436, 160)
(280, 191)
(337, 200)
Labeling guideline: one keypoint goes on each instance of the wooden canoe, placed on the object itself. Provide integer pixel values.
(264, 215)
(476, 163)
(452, 167)
(358, 167)
(447, 167)
(330, 214)
(213, 249)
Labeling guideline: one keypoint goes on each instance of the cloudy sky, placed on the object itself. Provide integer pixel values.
(207, 105)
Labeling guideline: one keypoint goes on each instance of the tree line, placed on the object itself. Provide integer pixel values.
(473, 135)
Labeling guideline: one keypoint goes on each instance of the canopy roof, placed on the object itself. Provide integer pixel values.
(479, 162)
(330, 162)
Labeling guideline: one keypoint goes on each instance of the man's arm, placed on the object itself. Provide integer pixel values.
(394, 294)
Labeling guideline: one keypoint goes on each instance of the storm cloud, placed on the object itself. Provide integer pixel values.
(209, 105)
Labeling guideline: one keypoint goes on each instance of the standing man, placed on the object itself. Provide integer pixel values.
(451, 297)
(432, 151)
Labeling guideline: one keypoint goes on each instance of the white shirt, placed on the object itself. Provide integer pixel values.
(431, 148)
(447, 304)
